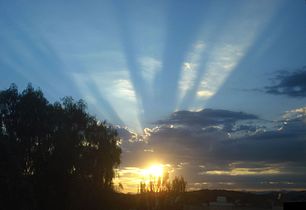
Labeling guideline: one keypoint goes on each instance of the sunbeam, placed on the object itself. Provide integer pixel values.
(118, 90)
(151, 97)
(228, 50)
(189, 71)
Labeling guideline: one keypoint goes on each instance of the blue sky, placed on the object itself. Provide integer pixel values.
(137, 62)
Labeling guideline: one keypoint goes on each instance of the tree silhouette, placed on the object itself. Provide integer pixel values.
(53, 156)
(163, 184)
(162, 193)
(178, 184)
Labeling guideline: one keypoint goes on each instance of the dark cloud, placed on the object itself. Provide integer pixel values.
(134, 147)
(206, 117)
(199, 144)
(274, 146)
(292, 84)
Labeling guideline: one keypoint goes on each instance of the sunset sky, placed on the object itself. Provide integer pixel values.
(212, 90)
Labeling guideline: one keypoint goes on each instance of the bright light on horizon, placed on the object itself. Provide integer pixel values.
(154, 171)
(131, 177)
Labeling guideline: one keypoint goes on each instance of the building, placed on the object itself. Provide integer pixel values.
(221, 204)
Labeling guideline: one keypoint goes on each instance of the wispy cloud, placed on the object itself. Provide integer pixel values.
(236, 38)
(149, 68)
(244, 171)
(298, 113)
(288, 83)
(117, 89)
(189, 70)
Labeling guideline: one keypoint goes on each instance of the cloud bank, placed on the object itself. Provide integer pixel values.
(292, 84)
(225, 149)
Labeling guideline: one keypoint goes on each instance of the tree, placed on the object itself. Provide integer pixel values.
(178, 184)
(164, 184)
(53, 155)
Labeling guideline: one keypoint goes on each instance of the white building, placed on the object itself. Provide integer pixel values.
(221, 204)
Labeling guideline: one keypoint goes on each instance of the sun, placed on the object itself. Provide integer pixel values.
(154, 171)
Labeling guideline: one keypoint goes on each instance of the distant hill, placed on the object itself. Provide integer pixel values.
(239, 198)
(255, 199)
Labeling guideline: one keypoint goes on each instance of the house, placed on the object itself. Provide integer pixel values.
(221, 204)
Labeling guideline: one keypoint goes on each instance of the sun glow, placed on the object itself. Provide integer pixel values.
(154, 171)
(131, 177)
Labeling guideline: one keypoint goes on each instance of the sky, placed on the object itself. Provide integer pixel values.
(214, 91)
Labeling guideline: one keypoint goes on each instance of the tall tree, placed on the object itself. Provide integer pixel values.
(52, 155)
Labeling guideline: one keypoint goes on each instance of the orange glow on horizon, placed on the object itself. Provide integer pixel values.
(130, 177)
(153, 172)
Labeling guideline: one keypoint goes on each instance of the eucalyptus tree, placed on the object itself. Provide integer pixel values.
(52, 154)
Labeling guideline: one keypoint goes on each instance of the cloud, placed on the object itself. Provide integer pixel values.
(206, 118)
(205, 93)
(190, 69)
(116, 89)
(292, 84)
(227, 149)
(225, 57)
(150, 67)
(215, 130)
(245, 171)
(228, 52)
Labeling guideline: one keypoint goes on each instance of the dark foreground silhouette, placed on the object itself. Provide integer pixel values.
(207, 200)
(54, 155)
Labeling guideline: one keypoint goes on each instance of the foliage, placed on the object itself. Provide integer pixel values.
(164, 184)
(162, 194)
(53, 156)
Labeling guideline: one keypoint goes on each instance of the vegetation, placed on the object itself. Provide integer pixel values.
(162, 194)
(53, 156)
(163, 184)
(58, 156)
